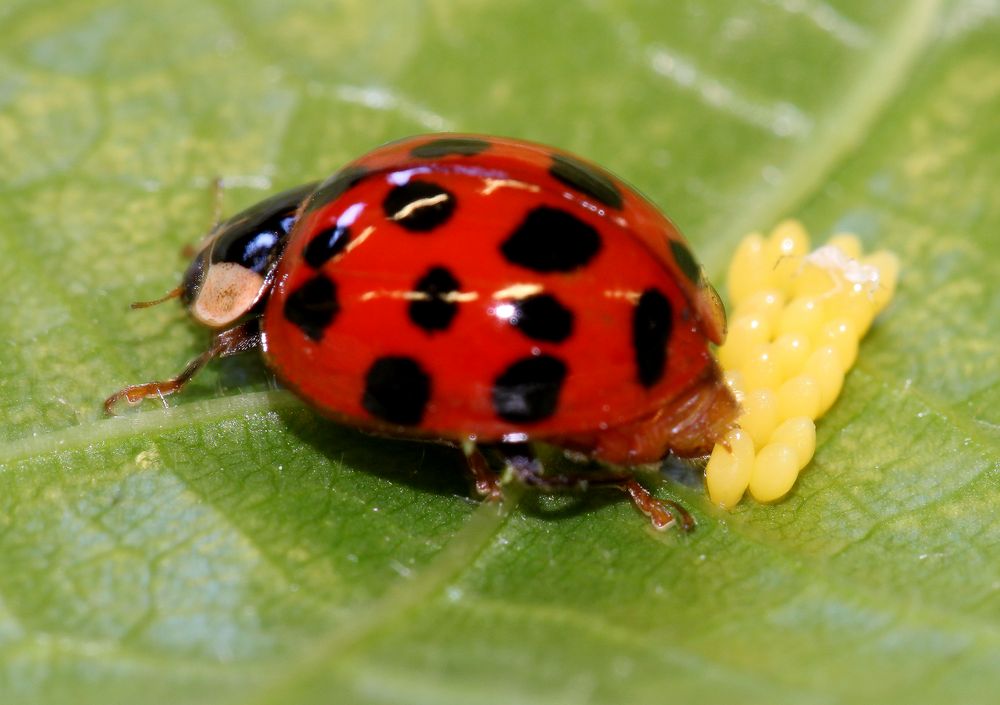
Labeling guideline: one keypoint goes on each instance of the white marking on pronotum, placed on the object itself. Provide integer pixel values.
(448, 297)
(459, 296)
(491, 185)
(358, 240)
(518, 291)
(407, 210)
(631, 296)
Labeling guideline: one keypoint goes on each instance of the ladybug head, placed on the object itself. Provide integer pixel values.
(232, 273)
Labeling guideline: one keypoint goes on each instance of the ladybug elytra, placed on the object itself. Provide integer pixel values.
(483, 291)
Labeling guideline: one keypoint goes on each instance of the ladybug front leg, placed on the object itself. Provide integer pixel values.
(241, 338)
(528, 470)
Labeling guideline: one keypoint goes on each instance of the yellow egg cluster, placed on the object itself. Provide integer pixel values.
(797, 319)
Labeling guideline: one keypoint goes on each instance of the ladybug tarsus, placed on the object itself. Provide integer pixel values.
(663, 513)
(529, 471)
(241, 338)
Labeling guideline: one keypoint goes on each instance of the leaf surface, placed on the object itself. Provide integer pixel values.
(232, 547)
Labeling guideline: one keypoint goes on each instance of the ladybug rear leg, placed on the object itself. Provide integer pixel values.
(525, 466)
(241, 338)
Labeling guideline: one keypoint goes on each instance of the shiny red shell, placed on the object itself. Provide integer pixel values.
(427, 225)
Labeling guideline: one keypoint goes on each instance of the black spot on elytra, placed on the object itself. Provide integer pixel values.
(652, 323)
(551, 240)
(587, 179)
(447, 146)
(542, 317)
(313, 306)
(396, 390)
(336, 186)
(529, 389)
(419, 206)
(685, 260)
(435, 312)
(326, 245)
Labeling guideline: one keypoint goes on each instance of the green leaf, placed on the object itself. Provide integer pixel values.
(233, 547)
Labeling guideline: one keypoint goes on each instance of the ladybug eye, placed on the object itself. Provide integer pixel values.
(193, 278)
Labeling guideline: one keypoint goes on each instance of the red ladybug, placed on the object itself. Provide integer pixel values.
(483, 291)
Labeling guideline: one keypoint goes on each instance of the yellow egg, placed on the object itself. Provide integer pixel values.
(847, 243)
(746, 333)
(824, 366)
(760, 370)
(888, 273)
(749, 270)
(854, 302)
(760, 415)
(842, 335)
(803, 315)
(790, 352)
(728, 471)
(766, 305)
(788, 239)
(784, 273)
(798, 319)
(774, 472)
(812, 280)
(799, 396)
(783, 251)
(799, 434)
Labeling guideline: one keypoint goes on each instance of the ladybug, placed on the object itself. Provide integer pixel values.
(481, 291)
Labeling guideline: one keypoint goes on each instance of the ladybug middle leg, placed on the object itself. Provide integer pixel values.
(238, 339)
(485, 480)
(528, 470)
(218, 193)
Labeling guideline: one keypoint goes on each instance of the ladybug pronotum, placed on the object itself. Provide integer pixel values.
(482, 291)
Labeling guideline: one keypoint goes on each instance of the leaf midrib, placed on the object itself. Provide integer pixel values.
(145, 421)
(832, 144)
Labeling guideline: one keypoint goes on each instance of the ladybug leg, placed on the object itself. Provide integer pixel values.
(484, 480)
(663, 513)
(242, 338)
(218, 191)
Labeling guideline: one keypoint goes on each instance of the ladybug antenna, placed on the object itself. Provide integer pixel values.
(172, 294)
